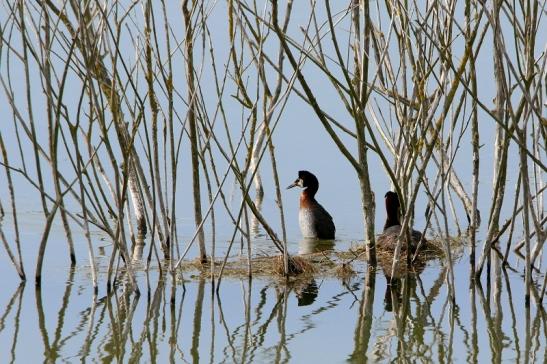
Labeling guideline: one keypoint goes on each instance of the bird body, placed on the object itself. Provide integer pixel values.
(315, 222)
(387, 240)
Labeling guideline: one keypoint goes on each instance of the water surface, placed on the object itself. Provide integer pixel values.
(320, 319)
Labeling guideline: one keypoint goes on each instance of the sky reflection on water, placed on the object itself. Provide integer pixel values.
(264, 320)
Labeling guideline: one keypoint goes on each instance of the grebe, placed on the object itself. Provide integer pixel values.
(392, 228)
(315, 221)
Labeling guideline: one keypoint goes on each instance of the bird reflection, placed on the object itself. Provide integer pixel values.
(404, 275)
(306, 294)
(393, 296)
(310, 246)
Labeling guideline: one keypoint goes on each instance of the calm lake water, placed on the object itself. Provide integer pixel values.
(316, 320)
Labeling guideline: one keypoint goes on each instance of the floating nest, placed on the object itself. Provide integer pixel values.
(297, 265)
(267, 266)
(331, 263)
(429, 250)
(344, 271)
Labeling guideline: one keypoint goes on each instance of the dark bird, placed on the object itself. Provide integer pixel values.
(315, 221)
(392, 228)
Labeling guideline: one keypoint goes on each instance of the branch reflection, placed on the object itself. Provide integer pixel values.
(267, 320)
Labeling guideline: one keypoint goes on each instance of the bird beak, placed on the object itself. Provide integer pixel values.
(296, 183)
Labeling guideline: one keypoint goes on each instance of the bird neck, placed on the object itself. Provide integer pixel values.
(391, 222)
(392, 217)
(307, 196)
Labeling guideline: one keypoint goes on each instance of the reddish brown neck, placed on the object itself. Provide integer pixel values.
(307, 197)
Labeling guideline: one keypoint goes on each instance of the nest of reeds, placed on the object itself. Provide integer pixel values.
(259, 267)
(297, 265)
(429, 249)
(344, 271)
(402, 268)
(340, 264)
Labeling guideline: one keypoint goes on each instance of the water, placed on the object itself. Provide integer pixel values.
(320, 319)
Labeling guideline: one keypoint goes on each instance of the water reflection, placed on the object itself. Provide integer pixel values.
(14, 303)
(364, 323)
(255, 224)
(306, 292)
(310, 246)
(363, 319)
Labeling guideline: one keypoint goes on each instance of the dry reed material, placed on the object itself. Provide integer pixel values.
(344, 271)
